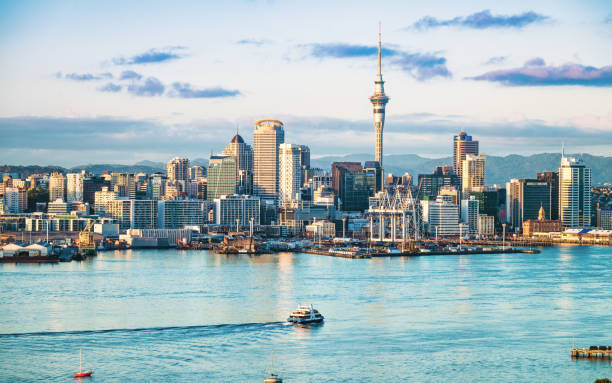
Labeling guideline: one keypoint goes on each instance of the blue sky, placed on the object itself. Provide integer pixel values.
(128, 81)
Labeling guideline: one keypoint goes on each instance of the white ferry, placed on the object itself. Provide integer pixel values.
(305, 315)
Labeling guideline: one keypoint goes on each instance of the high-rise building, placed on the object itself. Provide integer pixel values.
(101, 198)
(156, 186)
(177, 214)
(92, 184)
(74, 187)
(290, 171)
(553, 180)
(178, 169)
(379, 101)
(469, 214)
(124, 185)
(196, 172)
(430, 184)
(268, 136)
(237, 209)
(352, 185)
(243, 155)
(440, 217)
(473, 173)
(57, 187)
(574, 193)
(222, 177)
(374, 168)
(524, 198)
(15, 200)
(462, 145)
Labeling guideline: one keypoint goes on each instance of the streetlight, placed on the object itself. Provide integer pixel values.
(237, 223)
(504, 237)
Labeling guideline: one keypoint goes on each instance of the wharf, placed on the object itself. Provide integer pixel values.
(593, 352)
(336, 254)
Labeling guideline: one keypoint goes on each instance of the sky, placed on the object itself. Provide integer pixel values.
(121, 82)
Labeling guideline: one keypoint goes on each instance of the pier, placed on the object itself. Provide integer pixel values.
(593, 352)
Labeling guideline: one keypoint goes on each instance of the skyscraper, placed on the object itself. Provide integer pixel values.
(268, 136)
(243, 155)
(57, 187)
(473, 172)
(525, 198)
(156, 186)
(462, 145)
(74, 187)
(553, 179)
(124, 185)
(379, 101)
(222, 177)
(290, 174)
(574, 193)
(178, 169)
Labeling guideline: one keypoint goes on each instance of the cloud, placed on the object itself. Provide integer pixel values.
(184, 90)
(254, 42)
(541, 75)
(536, 61)
(84, 76)
(130, 75)
(421, 66)
(496, 60)
(152, 56)
(110, 87)
(149, 88)
(482, 20)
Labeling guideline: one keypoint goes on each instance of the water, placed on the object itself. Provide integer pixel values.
(168, 315)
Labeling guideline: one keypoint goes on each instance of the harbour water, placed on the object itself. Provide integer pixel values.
(170, 315)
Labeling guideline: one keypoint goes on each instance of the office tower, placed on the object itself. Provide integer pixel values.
(178, 169)
(469, 213)
(74, 187)
(304, 163)
(379, 101)
(352, 186)
(490, 200)
(15, 200)
(553, 180)
(473, 173)
(462, 145)
(57, 187)
(222, 177)
(124, 185)
(430, 184)
(374, 169)
(196, 172)
(237, 209)
(202, 185)
(574, 193)
(525, 197)
(92, 184)
(290, 171)
(156, 186)
(177, 214)
(440, 217)
(101, 198)
(268, 136)
(243, 155)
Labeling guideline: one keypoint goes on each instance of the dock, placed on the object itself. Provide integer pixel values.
(593, 352)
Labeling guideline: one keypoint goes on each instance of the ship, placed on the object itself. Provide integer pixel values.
(305, 315)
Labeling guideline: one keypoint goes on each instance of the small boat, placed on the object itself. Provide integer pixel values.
(81, 373)
(305, 315)
(273, 378)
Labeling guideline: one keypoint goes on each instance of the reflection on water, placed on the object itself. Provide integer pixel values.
(168, 315)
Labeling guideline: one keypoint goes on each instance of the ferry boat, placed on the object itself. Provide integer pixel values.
(305, 315)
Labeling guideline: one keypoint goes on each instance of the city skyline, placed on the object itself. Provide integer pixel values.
(131, 91)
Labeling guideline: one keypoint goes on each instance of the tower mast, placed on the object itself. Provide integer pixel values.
(379, 101)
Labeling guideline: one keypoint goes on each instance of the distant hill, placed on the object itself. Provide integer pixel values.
(99, 168)
(25, 171)
(498, 169)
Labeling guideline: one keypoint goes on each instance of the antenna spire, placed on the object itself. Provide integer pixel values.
(563, 149)
(379, 48)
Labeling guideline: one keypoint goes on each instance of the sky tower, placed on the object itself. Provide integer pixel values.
(379, 100)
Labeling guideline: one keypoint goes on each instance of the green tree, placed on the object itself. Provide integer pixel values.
(37, 195)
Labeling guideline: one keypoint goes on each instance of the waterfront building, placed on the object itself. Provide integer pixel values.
(469, 214)
(57, 187)
(473, 172)
(553, 180)
(440, 217)
(430, 184)
(74, 187)
(574, 193)
(290, 173)
(221, 177)
(177, 214)
(463, 145)
(321, 229)
(156, 186)
(101, 198)
(58, 207)
(134, 214)
(604, 218)
(120, 211)
(295, 215)
(486, 225)
(124, 185)
(92, 184)
(232, 209)
(268, 136)
(178, 169)
(524, 198)
(379, 102)
(541, 225)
